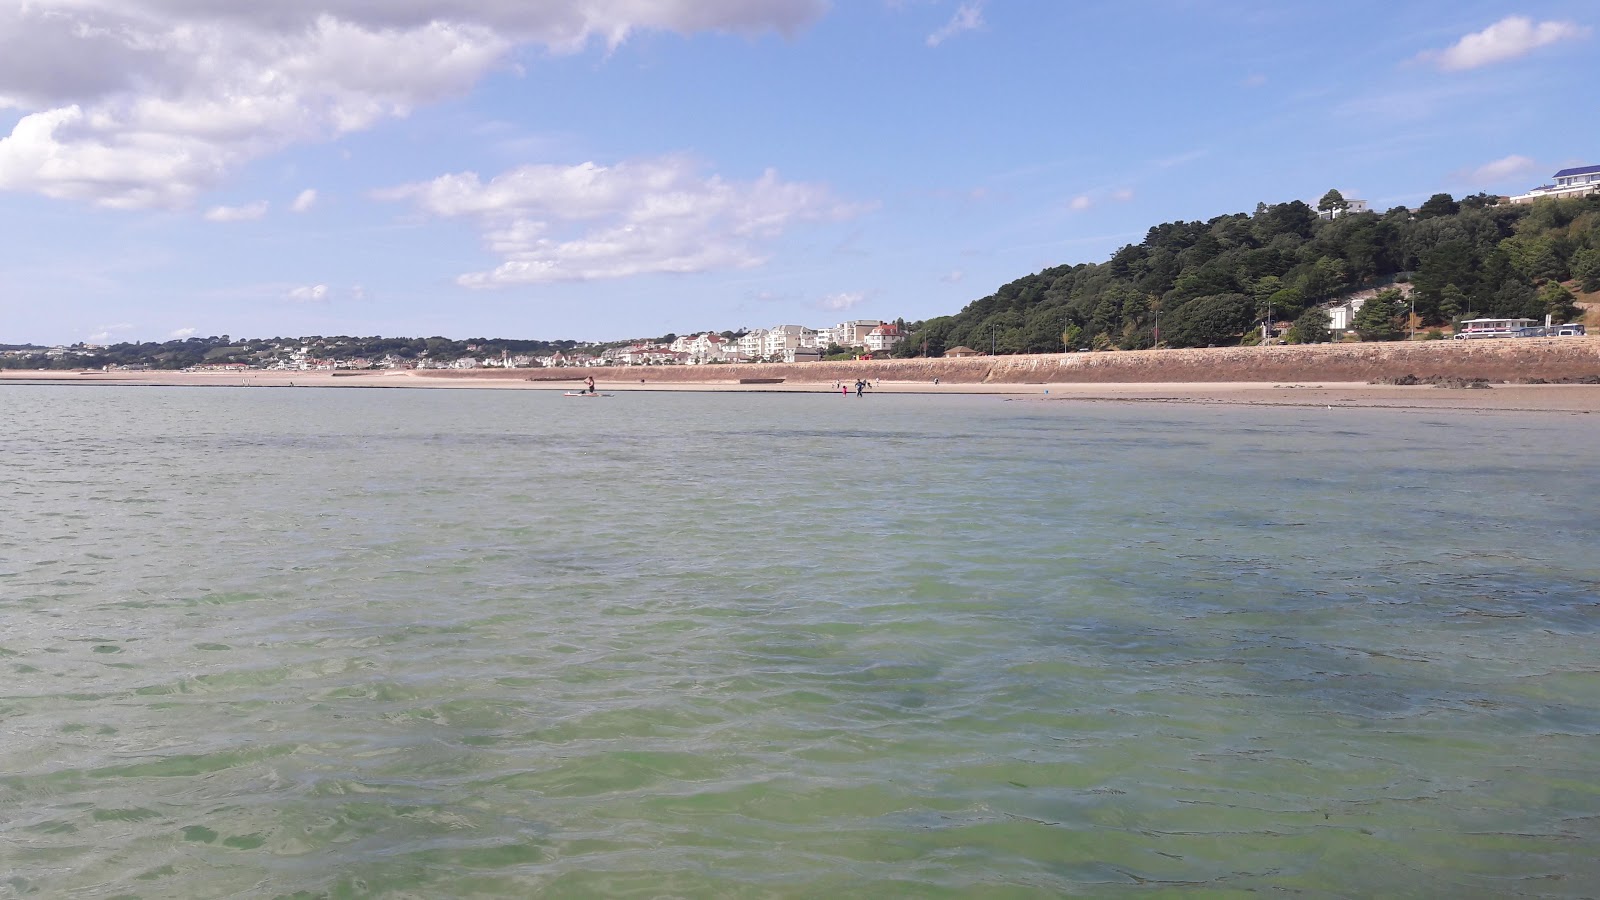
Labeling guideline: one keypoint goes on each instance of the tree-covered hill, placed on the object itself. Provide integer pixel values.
(1210, 282)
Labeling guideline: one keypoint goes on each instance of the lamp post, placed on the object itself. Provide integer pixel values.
(991, 340)
(1412, 319)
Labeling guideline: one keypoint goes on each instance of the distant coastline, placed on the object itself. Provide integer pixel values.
(1526, 374)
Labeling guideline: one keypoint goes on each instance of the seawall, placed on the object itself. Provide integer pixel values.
(1495, 360)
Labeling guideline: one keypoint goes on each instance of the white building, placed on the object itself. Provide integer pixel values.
(753, 343)
(853, 333)
(1574, 182)
(1342, 317)
(884, 337)
(707, 348)
(782, 338)
(1353, 207)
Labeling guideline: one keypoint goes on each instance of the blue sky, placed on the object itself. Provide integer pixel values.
(603, 169)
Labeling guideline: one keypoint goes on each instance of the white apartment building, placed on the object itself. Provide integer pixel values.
(781, 338)
(1574, 182)
(854, 333)
(753, 343)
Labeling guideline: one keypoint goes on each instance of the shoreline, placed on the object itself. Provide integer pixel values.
(1557, 398)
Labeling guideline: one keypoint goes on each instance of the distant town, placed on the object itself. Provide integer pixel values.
(853, 339)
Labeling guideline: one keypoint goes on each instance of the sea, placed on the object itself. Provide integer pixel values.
(308, 643)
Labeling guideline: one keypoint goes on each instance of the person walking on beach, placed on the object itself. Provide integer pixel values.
(588, 384)
(860, 386)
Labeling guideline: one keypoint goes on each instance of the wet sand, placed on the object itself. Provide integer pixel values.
(1566, 398)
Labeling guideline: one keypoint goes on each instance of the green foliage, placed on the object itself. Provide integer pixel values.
(1558, 303)
(1586, 268)
(1333, 201)
(1379, 318)
(1213, 320)
(1312, 327)
(1438, 205)
(1071, 336)
(1474, 256)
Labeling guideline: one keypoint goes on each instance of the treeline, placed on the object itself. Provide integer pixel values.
(1213, 283)
(182, 354)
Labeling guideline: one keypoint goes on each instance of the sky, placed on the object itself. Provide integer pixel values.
(598, 170)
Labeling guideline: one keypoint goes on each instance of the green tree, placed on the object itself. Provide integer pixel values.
(1378, 318)
(1311, 327)
(1070, 337)
(1586, 268)
(1333, 203)
(1453, 302)
(1438, 205)
(1215, 319)
(1559, 304)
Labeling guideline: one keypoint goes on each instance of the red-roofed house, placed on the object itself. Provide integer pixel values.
(884, 337)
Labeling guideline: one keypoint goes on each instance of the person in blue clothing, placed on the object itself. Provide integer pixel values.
(860, 386)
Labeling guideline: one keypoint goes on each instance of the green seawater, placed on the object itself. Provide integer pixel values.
(403, 643)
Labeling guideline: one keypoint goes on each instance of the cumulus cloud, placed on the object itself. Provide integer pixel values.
(1122, 195)
(181, 334)
(1507, 39)
(589, 222)
(968, 17)
(841, 301)
(310, 293)
(306, 199)
(1505, 169)
(164, 98)
(1081, 202)
(108, 333)
(954, 276)
(247, 213)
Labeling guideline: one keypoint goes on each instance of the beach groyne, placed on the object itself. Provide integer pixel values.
(1521, 359)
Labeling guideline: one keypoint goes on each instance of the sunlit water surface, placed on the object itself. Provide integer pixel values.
(271, 642)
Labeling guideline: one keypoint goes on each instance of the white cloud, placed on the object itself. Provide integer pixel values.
(247, 213)
(954, 276)
(1500, 170)
(306, 199)
(311, 293)
(969, 16)
(107, 334)
(1081, 202)
(1122, 195)
(841, 301)
(589, 222)
(1507, 39)
(164, 98)
(181, 334)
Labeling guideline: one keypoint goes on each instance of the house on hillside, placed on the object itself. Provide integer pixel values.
(1351, 208)
(960, 353)
(1575, 182)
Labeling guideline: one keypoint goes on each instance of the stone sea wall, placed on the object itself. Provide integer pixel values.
(1495, 360)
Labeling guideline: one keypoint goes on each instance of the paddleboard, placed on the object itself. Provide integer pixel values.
(585, 394)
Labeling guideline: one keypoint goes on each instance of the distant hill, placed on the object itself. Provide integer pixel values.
(1211, 282)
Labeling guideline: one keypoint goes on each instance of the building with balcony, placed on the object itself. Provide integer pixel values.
(1574, 182)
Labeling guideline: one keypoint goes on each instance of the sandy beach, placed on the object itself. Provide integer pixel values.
(1552, 398)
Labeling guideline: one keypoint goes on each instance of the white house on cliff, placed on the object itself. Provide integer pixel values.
(1574, 182)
